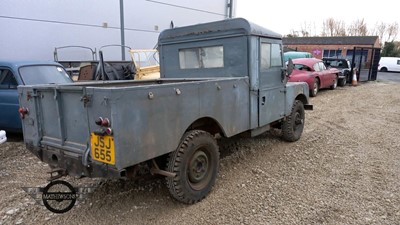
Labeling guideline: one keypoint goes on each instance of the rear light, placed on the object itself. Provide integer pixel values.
(103, 122)
(22, 112)
(105, 125)
(109, 131)
(98, 121)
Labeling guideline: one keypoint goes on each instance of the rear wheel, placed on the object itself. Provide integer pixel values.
(293, 126)
(315, 88)
(196, 165)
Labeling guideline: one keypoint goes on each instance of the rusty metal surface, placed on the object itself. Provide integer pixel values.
(148, 121)
(144, 127)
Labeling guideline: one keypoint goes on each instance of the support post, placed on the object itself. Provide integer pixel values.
(121, 10)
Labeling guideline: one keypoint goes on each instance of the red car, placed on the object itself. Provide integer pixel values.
(315, 74)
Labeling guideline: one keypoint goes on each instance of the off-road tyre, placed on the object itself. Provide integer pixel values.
(293, 125)
(196, 165)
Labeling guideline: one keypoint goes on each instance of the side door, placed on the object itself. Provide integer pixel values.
(322, 73)
(271, 98)
(328, 74)
(9, 116)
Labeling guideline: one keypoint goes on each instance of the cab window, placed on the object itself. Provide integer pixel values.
(276, 56)
(270, 56)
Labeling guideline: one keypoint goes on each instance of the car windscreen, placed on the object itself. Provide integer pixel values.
(44, 74)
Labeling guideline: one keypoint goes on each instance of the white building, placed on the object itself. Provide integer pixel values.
(31, 29)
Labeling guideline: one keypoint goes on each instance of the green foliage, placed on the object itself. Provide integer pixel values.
(390, 50)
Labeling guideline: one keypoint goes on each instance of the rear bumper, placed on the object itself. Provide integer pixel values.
(72, 163)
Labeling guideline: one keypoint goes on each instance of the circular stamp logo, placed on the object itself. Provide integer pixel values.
(59, 196)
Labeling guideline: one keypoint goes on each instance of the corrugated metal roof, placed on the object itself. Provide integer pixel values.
(345, 40)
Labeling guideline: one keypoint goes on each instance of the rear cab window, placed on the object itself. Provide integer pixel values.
(201, 57)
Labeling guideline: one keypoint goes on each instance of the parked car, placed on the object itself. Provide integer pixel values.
(389, 64)
(13, 74)
(343, 65)
(295, 55)
(144, 65)
(314, 72)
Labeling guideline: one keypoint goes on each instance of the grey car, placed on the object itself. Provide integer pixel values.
(343, 65)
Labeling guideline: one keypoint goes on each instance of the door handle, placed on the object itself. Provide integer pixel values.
(263, 100)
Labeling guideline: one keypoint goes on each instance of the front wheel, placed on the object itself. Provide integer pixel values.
(196, 165)
(293, 125)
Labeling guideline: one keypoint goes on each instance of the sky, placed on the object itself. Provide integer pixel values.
(285, 16)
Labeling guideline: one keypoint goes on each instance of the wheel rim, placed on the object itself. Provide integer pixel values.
(335, 84)
(315, 90)
(199, 169)
(298, 121)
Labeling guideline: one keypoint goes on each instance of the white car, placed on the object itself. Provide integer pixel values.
(3, 137)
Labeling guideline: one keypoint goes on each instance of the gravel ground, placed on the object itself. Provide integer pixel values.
(344, 170)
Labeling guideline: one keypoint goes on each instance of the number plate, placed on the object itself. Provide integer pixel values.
(103, 148)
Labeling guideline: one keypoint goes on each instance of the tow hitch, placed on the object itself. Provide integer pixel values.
(56, 173)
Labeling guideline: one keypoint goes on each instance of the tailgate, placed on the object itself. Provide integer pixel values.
(57, 117)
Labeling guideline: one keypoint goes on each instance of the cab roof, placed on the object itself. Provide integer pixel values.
(231, 26)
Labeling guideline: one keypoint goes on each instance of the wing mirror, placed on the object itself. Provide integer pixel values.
(289, 67)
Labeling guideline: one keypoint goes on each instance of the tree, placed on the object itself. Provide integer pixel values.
(390, 50)
(392, 31)
(307, 29)
(358, 28)
(380, 31)
(293, 33)
(332, 27)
